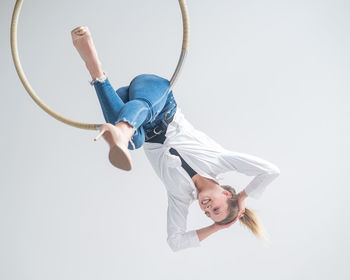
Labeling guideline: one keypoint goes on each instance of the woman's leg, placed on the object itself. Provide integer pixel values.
(123, 93)
(86, 48)
(111, 103)
(147, 97)
(147, 94)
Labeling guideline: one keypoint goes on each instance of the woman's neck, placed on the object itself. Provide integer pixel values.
(202, 183)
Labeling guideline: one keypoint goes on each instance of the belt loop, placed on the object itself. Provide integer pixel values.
(164, 123)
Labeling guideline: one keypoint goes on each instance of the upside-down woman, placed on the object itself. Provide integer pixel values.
(188, 162)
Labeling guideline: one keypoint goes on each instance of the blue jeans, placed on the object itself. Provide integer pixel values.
(143, 104)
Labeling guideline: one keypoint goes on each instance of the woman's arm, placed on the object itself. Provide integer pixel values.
(178, 236)
(203, 233)
(263, 171)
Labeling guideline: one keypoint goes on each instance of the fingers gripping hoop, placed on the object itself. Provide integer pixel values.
(47, 109)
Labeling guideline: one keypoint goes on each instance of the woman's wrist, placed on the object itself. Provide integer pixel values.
(215, 227)
(206, 231)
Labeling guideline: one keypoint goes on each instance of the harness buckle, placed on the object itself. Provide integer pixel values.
(157, 132)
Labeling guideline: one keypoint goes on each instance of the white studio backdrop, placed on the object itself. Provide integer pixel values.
(268, 78)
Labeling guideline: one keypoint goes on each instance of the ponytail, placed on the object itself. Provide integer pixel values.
(252, 222)
(249, 219)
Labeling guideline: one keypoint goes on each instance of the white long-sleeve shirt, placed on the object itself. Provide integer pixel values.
(209, 160)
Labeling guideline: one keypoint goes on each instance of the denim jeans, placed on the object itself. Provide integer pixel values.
(143, 104)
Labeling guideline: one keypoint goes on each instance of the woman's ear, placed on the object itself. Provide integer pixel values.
(227, 193)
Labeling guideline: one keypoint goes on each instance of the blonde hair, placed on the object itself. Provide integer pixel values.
(249, 219)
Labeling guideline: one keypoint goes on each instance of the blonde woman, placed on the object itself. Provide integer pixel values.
(188, 162)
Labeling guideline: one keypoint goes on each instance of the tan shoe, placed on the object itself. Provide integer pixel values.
(80, 32)
(119, 156)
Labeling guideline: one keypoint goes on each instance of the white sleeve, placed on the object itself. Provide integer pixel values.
(178, 237)
(263, 171)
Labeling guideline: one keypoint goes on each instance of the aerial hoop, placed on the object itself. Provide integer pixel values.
(47, 109)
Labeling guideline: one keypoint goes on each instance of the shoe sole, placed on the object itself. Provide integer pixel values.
(120, 158)
(76, 37)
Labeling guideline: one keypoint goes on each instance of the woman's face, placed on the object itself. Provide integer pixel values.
(214, 203)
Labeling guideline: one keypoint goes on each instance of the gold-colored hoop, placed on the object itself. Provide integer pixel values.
(47, 109)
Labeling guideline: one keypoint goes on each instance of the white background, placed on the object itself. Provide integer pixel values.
(268, 78)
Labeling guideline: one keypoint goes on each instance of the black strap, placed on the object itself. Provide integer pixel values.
(184, 164)
(157, 134)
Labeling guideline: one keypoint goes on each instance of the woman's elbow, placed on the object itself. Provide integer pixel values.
(274, 171)
(173, 243)
(182, 240)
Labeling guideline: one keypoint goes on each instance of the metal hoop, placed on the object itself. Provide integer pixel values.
(46, 108)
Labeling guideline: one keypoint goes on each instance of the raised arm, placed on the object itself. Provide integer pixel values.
(263, 171)
(178, 237)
